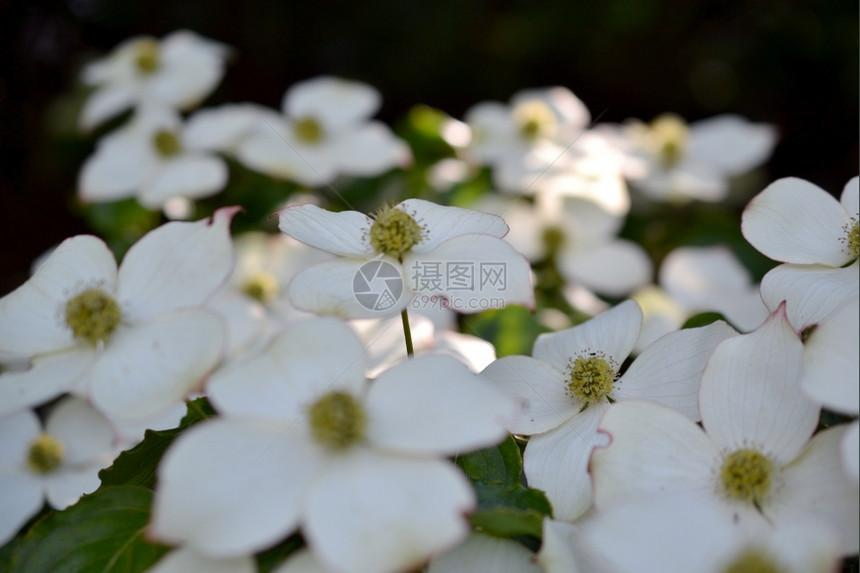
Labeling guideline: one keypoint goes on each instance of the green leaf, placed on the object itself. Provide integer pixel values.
(102, 532)
(510, 511)
(502, 464)
(271, 558)
(137, 466)
(703, 319)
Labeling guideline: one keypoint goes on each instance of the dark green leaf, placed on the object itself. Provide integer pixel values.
(703, 319)
(502, 464)
(102, 532)
(271, 558)
(510, 511)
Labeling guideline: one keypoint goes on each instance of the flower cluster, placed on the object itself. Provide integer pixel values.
(458, 363)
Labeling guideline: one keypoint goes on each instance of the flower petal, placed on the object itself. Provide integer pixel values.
(17, 430)
(335, 102)
(32, 318)
(48, 377)
(831, 360)
(85, 433)
(850, 199)
(190, 176)
(105, 103)
(296, 368)
(794, 221)
(351, 288)
(344, 233)
(557, 553)
(436, 405)
(557, 462)
(811, 291)
(149, 368)
(541, 388)
(669, 370)
(441, 223)
(731, 143)
(613, 333)
(221, 128)
(379, 513)
(65, 486)
(615, 268)
(750, 395)
(183, 560)
(653, 449)
(281, 156)
(850, 448)
(228, 488)
(370, 150)
(178, 264)
(21, 498)
(482, 553)
(121, 163)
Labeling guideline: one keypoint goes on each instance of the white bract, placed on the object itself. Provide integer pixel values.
(482, 553)
(136, 339)
(59, 462)
(414, 247)
(150, 158)
(669, 160)
(324, 131)
(754, 457)
(800, 224)
(574, 377)
(305, 440)
(177, 71)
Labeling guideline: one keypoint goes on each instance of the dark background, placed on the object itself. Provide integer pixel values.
(794, 64)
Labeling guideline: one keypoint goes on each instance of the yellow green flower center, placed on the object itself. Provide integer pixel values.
(93, 315)
(261, 286)
(669, 133)
(308, 130)
(337, 421)
(45, 455)
(752, 561)
(147, 57)
(166, 143)
(591, 378)
(394, 232)
(553, 238)
(747, 475)
(533, 119)
(851, 239)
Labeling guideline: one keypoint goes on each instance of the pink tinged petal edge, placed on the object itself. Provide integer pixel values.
(441, 222)
(750, 393)
(811, 292)
(229, 488)
(436, 405)
(296, 368)
(653, 450)
(815, 484)
(541, 388)
(176, 265)
(613, 332)
(669, 370)
(499, 275)
(331, 288)
(831, 360)
(794, 221)
(345, 233)
(557, 462)
(381, 513)
(48, 377)
(32, 317)
(150, 368)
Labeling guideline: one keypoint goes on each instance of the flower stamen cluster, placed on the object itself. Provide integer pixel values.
(337, 421)
(261, 286)
(533, 118)
(93, 315)
(591, 378)
(851, 239)
(308, 130)
(670, 136)
(752, 561)
(147, 58)
(166, 143)
(394, 232)
(45, 455)
(747, 475)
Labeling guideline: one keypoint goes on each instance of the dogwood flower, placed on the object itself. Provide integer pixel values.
(323, 131)
(482, 553)
(59, 463)
(305, 440)
(134, 339)
(669, 160)
(412, 247)
(754, 457)
(151, 159)
(177, 72)
(574, 377)
(183, 560)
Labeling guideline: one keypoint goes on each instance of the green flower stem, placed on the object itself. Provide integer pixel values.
(410, 351)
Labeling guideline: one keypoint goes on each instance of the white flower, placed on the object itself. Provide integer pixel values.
(754, 456)
(184, 560)
(151, 159)
(133, 338)
(535, 117)
(798, 223)
(671, 161)
(324, 132)
(413, 247)
(705, 279)
(681, 533)
(482, 553)
(222, 128)
(178, 72)
(305, 440)
(59, 463)
(573, 378)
